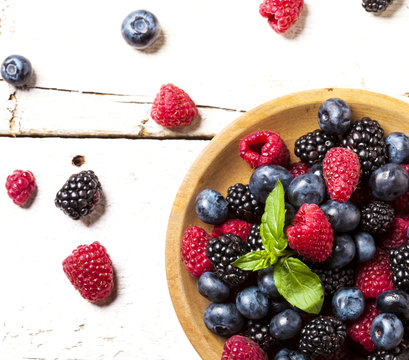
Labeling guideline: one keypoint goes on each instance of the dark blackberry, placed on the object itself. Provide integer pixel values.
(376, 5)
(399, 264)
(79, 195)
(313, 146)
(401, 352)
(254, 242)
(222, 251)
(243, 205)
(333, 279)
(376, 217)
(322, 336)
(365, 138)
(259, 332)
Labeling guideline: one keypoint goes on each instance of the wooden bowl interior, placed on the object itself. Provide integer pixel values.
(220, 166)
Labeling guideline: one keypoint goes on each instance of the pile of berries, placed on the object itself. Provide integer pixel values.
(346, 219)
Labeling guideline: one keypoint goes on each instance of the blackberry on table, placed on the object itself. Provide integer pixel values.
(254, 241)
(243, 205)
(259, 332)
(399, 264)
(401, 352)
(377, 217)
(222, 251)
(313, 146)
(376, 5)
(79, 195)
(333, 279)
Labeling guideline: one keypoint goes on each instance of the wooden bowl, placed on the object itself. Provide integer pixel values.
(220, 166)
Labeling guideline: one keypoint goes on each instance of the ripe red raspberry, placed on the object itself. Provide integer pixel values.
(264, 148)
(298, 168)
(310, 233)
(341, 173)
(89, 268)
(20, 185)
(374, 276)
(172, 107)
(397, 235)
(242, 348)
(233, 226)
(401, 204)
(281, 14)
(194, 244)
(360, 330)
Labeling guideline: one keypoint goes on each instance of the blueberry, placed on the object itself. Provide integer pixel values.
(348, 304)
(386, 331)
(211, 207)
(212, 288)
(365, 246)
(223, 319)
(397, 145)
(343, 251)
(334, 116)
(266, 284)
(140, 29)
(252, 303)
(16, 70)
(395, 302)
(264, 179)
(289, 213)
(287, 354)
(317, 169)
(306, 189)
(285, 325)
(344, 217)
(389, 182)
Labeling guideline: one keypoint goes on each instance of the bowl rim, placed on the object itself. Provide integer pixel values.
(173, 261)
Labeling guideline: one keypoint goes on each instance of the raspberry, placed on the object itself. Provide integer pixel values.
(264, 148)
(172, 107)
(396, 236)
(281, 14)
(374, 276)
(360, 330)
(401, 204)
(242, 348)
(298, 168)
(233, 226)
(341, 173)
(20, 185)
(310, 233)
(194, 245)
(89, 268)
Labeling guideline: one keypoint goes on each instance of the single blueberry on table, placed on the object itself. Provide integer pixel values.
(395, 302)
(306, 189)
(387, 331)
(343, 251)
(285, 325)
(348, 304)
(140, 29)
(16, 70)
(365, 246)
(212, 288)
(211, 207)
(266, 284)
(252, 303)
(397, 145)
(334, 116)
(287, 354)
(344, 217)
(223, 319)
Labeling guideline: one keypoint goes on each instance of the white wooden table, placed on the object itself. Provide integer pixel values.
(92, 97)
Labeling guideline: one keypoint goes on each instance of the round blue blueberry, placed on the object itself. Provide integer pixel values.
(287, 354)
(289, 213)
(212, 288)
(343, 251)
(397, 145)
(211, 207)
(266, 284)
(285, 325)
(389, 182)
(223, 319)
(306, 189)
(140, 29)
(344, 217)
(16, 70)
(252, 303)
(395, 302)
(334, 116)
(317, 169)
(386, 331)
(348, 304)
(264, 179)
(365, 246)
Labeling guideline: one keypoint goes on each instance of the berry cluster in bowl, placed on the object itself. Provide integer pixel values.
(309, 260)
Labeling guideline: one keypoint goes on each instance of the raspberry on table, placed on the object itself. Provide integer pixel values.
(194, 245)
(299, 168)
(173, 107)
(234, 226)
(281, 14)
(89, 268)
(264, 148)
(243, 205)
(376, 217)
(20, 185)
(396, 235)
(242, 348)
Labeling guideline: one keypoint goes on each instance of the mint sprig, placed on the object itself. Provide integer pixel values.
(294, 280)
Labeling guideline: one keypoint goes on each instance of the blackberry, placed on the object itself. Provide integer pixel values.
(399, 264)
(376, 5)
(401, 352)
(365, 138)
(254, 242)
(322, 336)
(243, 205)
(376, 217)
(313, 146)
(222, 251)
(79, 195)
(259, 332)
(333, 279)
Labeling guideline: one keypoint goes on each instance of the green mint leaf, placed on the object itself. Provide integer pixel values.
(255, 260)
(299, 285)
(272, 223)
